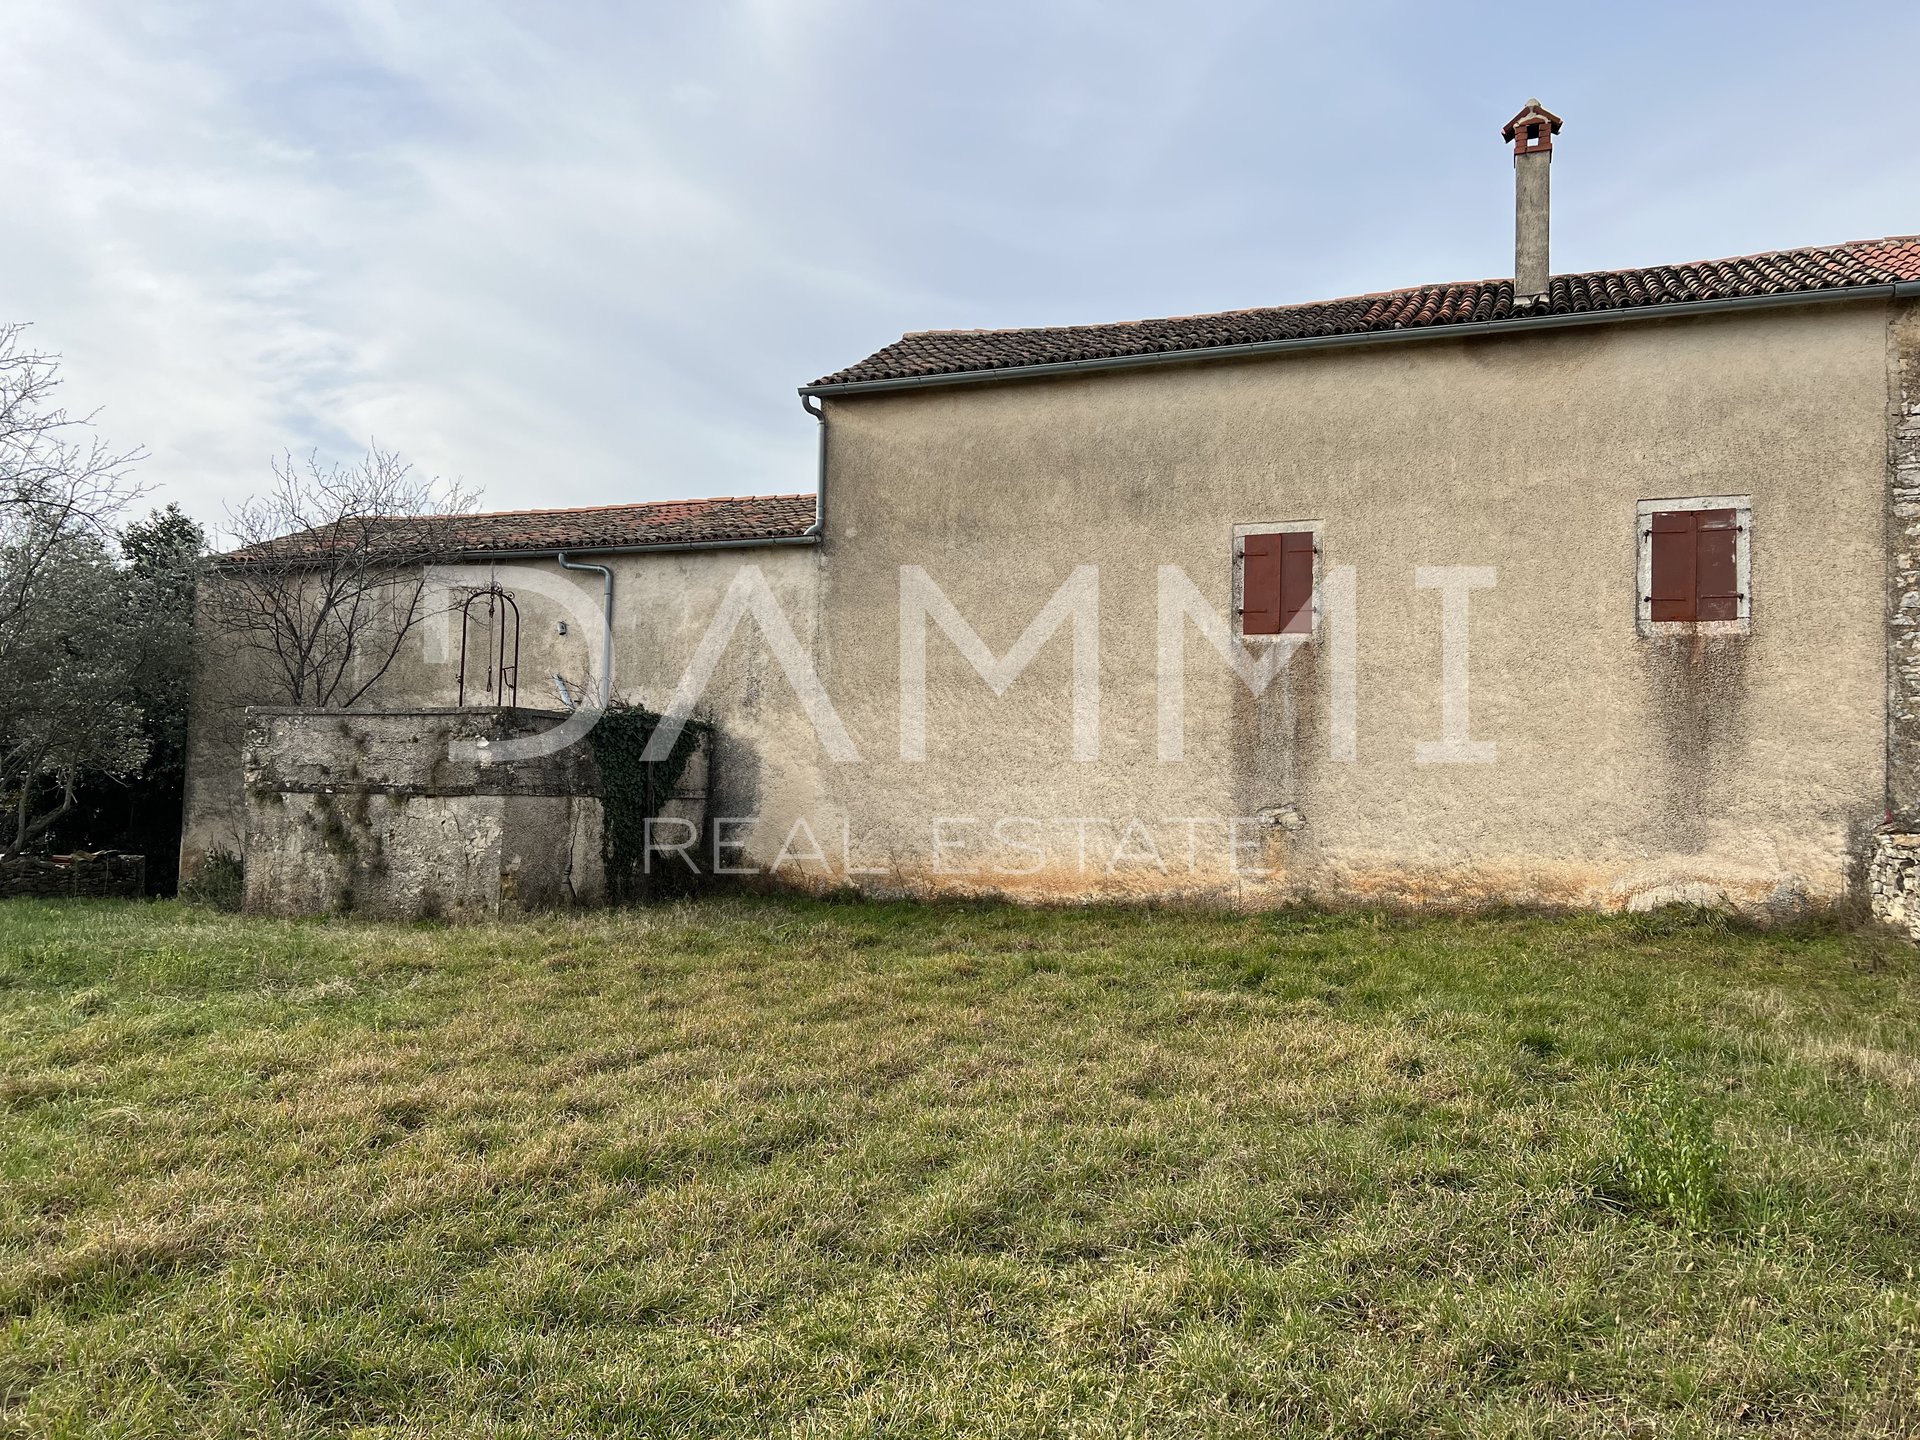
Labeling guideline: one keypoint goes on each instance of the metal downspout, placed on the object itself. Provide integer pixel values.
(606, 637)
(813, 532)
(809, 536)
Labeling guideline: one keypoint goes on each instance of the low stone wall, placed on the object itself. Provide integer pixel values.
(1893, 880)
(390, 814)
(107, 875)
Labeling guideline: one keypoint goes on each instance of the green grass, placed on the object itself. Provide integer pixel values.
(786, 1168)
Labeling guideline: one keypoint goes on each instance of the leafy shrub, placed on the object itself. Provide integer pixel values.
(220, 882)
(1669, 1157)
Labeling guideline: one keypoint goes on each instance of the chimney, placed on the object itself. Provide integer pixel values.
(1531, 132)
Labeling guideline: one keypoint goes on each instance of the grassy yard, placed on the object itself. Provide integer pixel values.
(766, 1168)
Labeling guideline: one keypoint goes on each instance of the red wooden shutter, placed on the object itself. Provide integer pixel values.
(1296, 583)
(1696, 565)
(1261, 564)
(1717, 565)
(1673, 590)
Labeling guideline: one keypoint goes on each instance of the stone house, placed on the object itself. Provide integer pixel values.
(1593, 590)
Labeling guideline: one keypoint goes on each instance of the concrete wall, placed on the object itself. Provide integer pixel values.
(401, 814)
(1626, 766)
(377, 814)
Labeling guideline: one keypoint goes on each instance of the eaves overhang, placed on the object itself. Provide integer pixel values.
(1465, 330)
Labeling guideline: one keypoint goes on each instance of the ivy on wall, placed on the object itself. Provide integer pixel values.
(633, 791)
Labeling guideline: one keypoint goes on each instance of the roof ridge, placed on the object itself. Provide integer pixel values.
(1213, 314)
(806, 495)
(682, 524)
(1751, 255)
(924, 356)
(1401, 290)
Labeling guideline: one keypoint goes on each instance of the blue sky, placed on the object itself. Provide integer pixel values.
(583, 253)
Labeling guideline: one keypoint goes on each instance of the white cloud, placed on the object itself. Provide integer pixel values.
(583, 253)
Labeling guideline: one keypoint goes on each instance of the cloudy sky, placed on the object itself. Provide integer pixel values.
(583, 252)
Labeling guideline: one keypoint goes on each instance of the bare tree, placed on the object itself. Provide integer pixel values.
(330, 575)
(58, 481)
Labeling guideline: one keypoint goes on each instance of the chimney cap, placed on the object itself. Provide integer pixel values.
(1532, 129)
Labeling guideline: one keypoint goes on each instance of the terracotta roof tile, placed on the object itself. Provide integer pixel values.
(959, 352)
(602, 527)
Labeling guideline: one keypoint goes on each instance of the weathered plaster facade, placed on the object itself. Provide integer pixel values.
(1625, 765)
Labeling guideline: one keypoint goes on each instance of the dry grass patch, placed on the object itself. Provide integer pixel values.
(815, 1169)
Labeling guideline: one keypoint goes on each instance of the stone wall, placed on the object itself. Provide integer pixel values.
(107, 875)
(398, 814)
(1903, 559)
(1893, 880)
